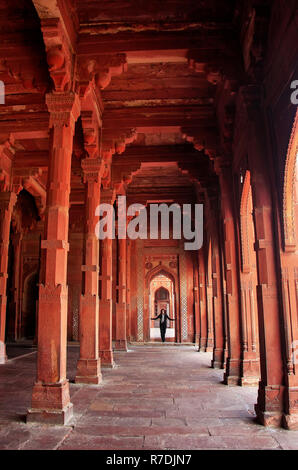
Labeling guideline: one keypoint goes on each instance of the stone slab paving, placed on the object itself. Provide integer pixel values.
(157, 398)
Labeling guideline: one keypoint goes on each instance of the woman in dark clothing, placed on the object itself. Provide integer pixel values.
(163, 316)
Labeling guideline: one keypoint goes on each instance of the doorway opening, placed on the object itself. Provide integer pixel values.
(161, 296)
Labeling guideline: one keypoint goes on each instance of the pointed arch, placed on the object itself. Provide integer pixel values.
(157, 271)
(245, 213)
(289, 228)
(173, 276)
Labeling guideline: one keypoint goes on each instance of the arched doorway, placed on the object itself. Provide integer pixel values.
(161, 296)
(23, 280)
(30, 297)
(161, 300)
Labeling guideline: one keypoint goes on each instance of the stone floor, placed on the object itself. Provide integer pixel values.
(157, 398)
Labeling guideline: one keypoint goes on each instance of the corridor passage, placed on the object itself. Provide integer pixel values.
(157, 397)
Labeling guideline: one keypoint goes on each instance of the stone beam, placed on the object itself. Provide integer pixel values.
(150, 41)
(36, 158)
(194, 116)
(65, 12)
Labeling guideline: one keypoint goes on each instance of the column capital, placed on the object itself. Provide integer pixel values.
(64, 108)
(92, 169)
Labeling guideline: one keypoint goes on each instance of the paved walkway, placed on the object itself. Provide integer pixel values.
(157, 398)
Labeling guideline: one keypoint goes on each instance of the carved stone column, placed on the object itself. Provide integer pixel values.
(250, 362)
(271, 388)
(17, 244)
(50, 397)
(290, 289)
(7, 201)
(88, 368)
(232, 373)
(196, 301)
(203, 302)
(105, 304)
(121, 341)
(210, 316)
(271, 394)
(128, 297)
(218, 308)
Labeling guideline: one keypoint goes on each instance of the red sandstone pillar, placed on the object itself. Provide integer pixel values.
(270, 404)
(88, 368)
(218, 308)
(7, 201)
(50, 397)
(17, 243)
(196, 301)
(105, 304)
(203, 302)
(128, 299)
(210, 319)
(290, 287)
(224, 300)
(289, 278)
(271, 388)
(121, 343)
(271, 394)
(233, 372)
(250, 362)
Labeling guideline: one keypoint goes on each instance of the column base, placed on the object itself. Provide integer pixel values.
(269, 418)
(120, 345)
(231, 380)
(290, 417)
(50, 404)
(60, 417)
(216, 364)
(270, 406)
(204, 347)
(249, 381)
(88, 372)
(232, 375)
(3, 357)
(107, 359)
(217, 361)
(290, 422)
(250, 370)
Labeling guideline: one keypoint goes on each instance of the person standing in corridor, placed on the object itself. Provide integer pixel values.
(163, 317)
